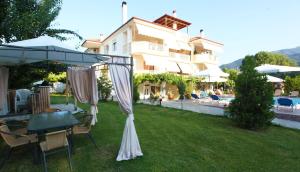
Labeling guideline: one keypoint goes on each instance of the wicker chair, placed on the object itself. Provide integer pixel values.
(84, 128)
(15, 139)
(54, 142)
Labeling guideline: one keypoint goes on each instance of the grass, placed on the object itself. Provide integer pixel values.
(174, 140)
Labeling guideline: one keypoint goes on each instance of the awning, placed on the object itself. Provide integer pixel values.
(274, 79)
(149, 31)
(172, 66)
(214, 79)
(154, 60)
(186, 68)
(45, 48)
(267, 68)
(212, 71)
(161, 62)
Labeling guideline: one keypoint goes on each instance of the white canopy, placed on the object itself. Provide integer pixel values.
(267, 68)
(45, 48)
(130, 146)
(212, 74)
(214, 79)
(212, 71)
(274, 79)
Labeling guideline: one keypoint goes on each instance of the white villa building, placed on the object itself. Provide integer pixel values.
(158, 46)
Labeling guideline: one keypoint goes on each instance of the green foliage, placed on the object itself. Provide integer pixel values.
(232, 77)
(136, 94)
(169, 78)
(23, 76)
(272, 58)
(104, 87)
(60, 77)
(291, 84)
(28, 19)
(253, 101)
(181, 85)
(189, 89)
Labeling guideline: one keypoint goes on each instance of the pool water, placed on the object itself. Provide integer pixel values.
(296, 100)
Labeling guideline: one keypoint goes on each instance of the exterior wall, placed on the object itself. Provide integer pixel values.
(160, 46)
(122, 43)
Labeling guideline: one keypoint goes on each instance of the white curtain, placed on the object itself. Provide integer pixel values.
(83, 83)
(130, 146)
(3, 90)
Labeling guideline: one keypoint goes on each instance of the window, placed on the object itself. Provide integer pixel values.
(106, 51)
(114, 46)
(148, 67)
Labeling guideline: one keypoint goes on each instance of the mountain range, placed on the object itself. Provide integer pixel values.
(292, 53)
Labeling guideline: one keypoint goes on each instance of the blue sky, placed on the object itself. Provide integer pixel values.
(244, 27)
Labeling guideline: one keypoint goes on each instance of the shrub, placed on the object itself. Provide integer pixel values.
(60, 77)
(181, 89)
(291, 84)
(252, 105)
(189, 89)
(104, 87)
(136, 94)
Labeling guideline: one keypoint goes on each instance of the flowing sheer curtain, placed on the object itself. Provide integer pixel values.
(130, 146)
(83, 83)
(3, 90)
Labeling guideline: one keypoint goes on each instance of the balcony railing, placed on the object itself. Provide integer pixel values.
(202, 58)
(181, 57)
(144, 46)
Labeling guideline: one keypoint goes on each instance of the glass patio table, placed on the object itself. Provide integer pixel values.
(50, 121)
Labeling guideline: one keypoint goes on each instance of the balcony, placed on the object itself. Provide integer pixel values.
(180, 57)
(205, 58)
(147, 47)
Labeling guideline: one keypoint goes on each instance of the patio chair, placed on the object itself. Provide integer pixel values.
(84, 128)
(285, 102)
(21, 99)
(54, 142)
(215, 97)
(14, 140)
(294, 94)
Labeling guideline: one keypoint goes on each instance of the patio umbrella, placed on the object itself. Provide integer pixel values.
(274, 79)
(45, 48)
(213, 74)
(267, 68)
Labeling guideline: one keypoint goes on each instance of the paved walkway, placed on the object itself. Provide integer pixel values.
(284, 117)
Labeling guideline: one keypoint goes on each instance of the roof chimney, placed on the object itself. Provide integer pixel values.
(101, 38)
(124, 12)
(174, 24)
(201, 33)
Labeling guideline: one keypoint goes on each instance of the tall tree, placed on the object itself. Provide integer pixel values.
(273, 58)
(26, 19)
(253, 101)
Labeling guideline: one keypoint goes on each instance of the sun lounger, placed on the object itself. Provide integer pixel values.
(285, 102)
(195, 96)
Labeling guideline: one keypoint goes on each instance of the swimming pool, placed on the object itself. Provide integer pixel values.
(296, 100)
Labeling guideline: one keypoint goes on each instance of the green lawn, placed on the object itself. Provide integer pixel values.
(174, 140)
